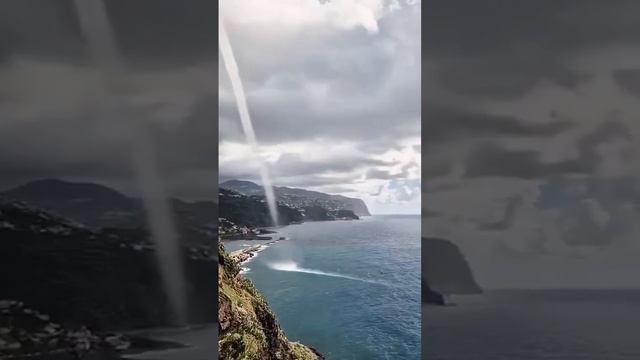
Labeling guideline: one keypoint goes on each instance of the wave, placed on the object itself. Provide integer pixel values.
(292, 266)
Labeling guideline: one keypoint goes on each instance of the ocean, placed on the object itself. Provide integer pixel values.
(350, 289)
(535, 325)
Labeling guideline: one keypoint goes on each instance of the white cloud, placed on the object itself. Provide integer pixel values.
(292, 15)
(334, 92)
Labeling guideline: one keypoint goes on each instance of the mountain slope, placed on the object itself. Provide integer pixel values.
(98, 206)
(87, 203)
(299, 198)
(104, 279)
(252, 210)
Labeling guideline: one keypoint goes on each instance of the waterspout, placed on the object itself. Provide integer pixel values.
(97, 31)
(245, 118)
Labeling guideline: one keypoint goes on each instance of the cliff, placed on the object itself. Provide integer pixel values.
(247, 327)
(445, 269)
(430, 296)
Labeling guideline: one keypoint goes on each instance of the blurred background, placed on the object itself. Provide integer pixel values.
(108, 175)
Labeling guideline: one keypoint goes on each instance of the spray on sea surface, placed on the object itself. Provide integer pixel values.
(292, 266)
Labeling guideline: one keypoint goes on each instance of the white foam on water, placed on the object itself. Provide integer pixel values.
(254, 253)
(292, 266)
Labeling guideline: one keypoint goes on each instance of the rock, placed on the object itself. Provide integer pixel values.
(247, 327)
(430, 296)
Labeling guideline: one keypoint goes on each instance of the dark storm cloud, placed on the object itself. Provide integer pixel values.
(147, 32)
(44, 29)
(379, 174)
(346, 120)
(437, 169)
(495, 160)
(426, 213)
(506, 48)
(56, 118)
(629, 79)
(446, 124)
(90, 147)
(354, 61)
(295, 165)
(561, 68)
(491, 159)
(489, 77)
(513, 204)
(592, 212)
(344, 85)
(193, 143)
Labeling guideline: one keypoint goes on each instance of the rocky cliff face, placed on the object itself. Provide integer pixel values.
(429, 296)
(247, 327)
(445, 268)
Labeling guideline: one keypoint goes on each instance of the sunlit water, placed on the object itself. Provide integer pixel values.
(350, 289)
(536, 325)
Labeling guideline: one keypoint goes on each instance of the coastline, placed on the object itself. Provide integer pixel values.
(254, 331)
(247, 254)
(298, 274)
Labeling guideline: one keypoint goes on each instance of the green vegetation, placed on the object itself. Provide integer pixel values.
(252, 210)
(247, 327)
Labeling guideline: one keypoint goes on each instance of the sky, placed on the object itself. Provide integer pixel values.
(530, 139)
(529, 151)
(58, 119)
(333, 88)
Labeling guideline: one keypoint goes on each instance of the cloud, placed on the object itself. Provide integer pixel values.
(629, 79)
(334, 94)
(537, 101)
(446, 124)
(295, 164)
(494, 160)
(291, 15)
(59, 119)
(513, 204)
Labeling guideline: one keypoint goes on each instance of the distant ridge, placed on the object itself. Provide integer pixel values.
(98, 206)
(298, 198)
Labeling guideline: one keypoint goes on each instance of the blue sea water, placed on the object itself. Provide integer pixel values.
(350, 289)
(535, 325)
